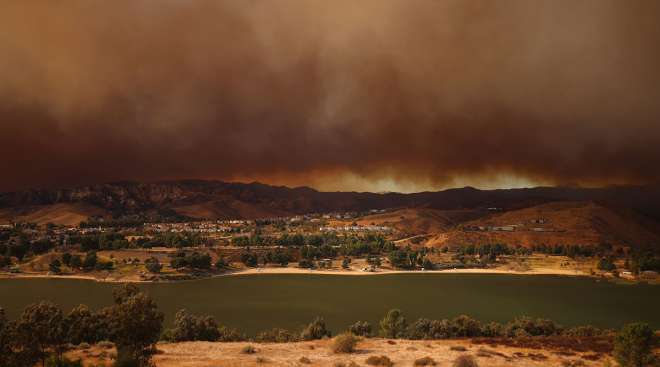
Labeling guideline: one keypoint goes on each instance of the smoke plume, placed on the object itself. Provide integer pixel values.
(336, 94)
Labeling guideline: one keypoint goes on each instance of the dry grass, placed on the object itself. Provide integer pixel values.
(344, 343)
(319, 353)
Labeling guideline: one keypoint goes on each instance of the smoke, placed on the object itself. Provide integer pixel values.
(374, 94)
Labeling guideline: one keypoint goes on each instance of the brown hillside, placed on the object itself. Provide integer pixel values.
(68, 214)
(421, 220)
(554, 223)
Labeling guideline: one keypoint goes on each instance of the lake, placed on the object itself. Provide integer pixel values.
(257, 302)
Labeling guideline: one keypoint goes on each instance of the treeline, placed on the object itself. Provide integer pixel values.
(136, 220)
(117, 241)
(329, 244)
(134, 324)
(42, 333)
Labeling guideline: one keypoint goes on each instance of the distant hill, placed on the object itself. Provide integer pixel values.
(435, 212)
(556, 223)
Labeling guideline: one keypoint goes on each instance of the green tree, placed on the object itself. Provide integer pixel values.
(66, 259)
(249, 259)
(346, 263)
(135, 324)
(41, 326)
(221, 264)
(633, 345)
(90, 261)
(75, 262)
(153, 265)
(82, 326)
(55, 266)
(393, 325)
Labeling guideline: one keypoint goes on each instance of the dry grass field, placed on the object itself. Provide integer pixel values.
(319, 353)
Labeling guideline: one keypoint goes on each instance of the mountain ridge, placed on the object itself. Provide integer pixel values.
(135, 197)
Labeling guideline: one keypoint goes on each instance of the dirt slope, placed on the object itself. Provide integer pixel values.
(555, 224)
(228, 209)
(68, 214)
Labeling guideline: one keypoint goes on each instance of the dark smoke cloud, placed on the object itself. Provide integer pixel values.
(337, 94)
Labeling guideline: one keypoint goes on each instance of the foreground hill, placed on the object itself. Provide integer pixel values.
(399, 352)
(555, 223)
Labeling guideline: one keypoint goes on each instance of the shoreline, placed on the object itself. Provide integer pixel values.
(298, 271)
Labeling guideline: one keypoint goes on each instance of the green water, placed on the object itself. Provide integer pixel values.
(253, 303)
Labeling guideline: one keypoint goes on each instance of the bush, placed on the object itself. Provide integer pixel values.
(465, 326)
(345, 343)
(525, 326)
(248, 349)
(315, 330)
(465, 361)
(304, 360)
(379, 361)
(633, 345)
(226, 334)
(583, 331)
(189, 328)
(276, 335)
(425, 361)
(360, 328)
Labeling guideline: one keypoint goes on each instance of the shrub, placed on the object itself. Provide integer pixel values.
(226, 334)
(189, 327)
(525, 326)
(276, 335)
(248, 349)
(262, 360)
(345, 343)
(379, 361)
(465, 326)
(465, 361)
(315, 330)
(393, 325)
(633, 345)
(492, 329)
(425, 361)
(360, 328)
(582, 331)
(304, 360)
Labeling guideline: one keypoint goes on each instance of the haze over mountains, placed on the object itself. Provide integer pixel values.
(591, 215)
